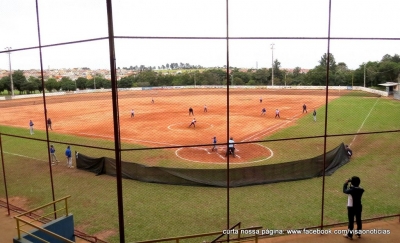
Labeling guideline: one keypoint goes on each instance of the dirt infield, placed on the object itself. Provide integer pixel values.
(166, 121)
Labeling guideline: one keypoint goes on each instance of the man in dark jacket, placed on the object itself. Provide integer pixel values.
(354, 206)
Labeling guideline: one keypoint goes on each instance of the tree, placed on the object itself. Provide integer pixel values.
(31, 85)
(5, 81)
(316, 76)
(51, 84)
(324, 60)
(125, 82)
(2, 86)
(244, 76)
(37, 82)
(81, 83)
(67, 84)
(147, 77)
(18, 79)
(261, 76)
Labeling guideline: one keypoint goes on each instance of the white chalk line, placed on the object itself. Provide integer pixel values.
(175, 124)
(24, 156)
(223, 157)
(359, 129)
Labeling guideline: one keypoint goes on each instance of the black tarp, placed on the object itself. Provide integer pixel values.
(244, 176)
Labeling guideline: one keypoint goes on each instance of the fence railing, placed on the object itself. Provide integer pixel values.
(21, 222)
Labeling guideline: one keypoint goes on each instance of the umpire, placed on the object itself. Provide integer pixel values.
(231, 148)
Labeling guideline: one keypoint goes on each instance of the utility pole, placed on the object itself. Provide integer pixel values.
(94, 82)
(272, 48)
(364, 74)
(9, 62)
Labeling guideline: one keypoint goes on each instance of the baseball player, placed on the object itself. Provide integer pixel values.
(53, 155)
(277, 113)
(304, 108)
(193, 123)
(231, 148)
(263, 111)
(31, 127)
(49, 124)
(191, 111)
(68, 155)
(214, 144)
(314, 115)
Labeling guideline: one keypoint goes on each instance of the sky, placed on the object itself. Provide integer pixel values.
(283, 23)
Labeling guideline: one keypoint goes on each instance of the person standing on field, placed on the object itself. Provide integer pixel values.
(191, 111)
(31, 127)
(314, 115)
(304, 108)
(49, 124)
(231, 148)
(354, 206)
(193, 123)
(277, 113)
(214, 144)
(263, 111)
(53, 155)
(69, 157)
(205, 108)
(132, 113)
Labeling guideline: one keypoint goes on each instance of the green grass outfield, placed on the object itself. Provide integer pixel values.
(156, 211)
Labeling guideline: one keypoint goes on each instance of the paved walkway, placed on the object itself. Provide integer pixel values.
(8, 232)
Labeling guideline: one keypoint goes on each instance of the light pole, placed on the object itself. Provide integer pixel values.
(364, 74)
(272, 48)
(9, 62)
(94, 82)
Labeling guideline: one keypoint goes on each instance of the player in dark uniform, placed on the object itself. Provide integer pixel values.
(354, 205)
(314, 115)
(263, 111)
(49, 124)
(304, 108)
(215, 144)
(191, 111)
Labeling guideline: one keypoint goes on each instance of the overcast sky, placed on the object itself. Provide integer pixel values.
(73, 20)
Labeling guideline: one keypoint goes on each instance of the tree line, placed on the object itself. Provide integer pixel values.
(388, 69)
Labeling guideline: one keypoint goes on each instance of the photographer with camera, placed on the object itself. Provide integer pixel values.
(354, 206)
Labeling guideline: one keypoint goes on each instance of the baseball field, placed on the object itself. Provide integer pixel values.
(159, 135)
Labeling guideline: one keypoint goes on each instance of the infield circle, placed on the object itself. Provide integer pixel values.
(244, 154)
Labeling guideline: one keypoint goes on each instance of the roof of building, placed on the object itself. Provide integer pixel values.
(389, 84)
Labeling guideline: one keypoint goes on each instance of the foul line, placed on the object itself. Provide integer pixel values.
(271, 128)
(24, 156)
(364, 121)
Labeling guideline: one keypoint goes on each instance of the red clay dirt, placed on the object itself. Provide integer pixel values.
(166, 121)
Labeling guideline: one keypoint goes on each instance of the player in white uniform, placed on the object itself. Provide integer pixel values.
(193, 122)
